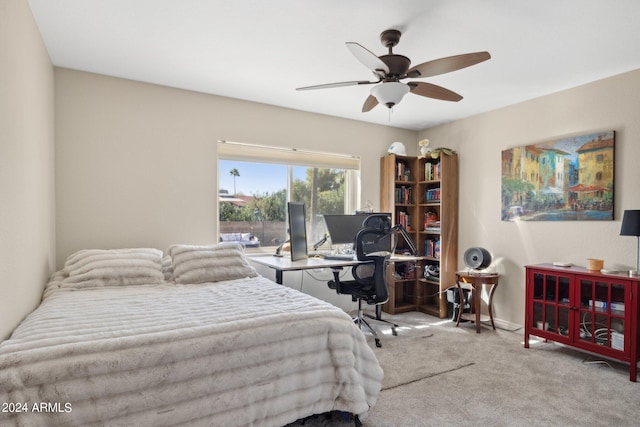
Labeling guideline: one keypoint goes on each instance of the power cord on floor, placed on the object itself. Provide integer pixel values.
(596, 362)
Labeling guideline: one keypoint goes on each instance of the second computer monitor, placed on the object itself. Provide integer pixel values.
(297, 230)
(343, 228)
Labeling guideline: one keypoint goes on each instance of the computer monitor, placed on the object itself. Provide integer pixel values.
(297, 230)
(343, 228)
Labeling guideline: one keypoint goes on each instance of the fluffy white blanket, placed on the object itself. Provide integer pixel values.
(242, 352)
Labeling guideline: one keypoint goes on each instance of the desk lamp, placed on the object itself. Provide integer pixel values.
(631, 227)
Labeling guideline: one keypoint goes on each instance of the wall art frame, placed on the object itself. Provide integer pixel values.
(563, 179)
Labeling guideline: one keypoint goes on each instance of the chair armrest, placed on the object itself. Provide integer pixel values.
(335, 283)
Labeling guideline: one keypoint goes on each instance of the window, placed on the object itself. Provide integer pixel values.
(256, 182)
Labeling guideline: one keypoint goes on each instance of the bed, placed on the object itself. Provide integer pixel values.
(194, 337)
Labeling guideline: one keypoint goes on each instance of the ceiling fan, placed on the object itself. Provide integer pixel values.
(391, 68)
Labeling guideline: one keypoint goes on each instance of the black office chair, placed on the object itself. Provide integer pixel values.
(370, 284)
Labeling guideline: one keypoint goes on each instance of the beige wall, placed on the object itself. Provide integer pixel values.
(27, 233)
(136, 163)
(612, 103)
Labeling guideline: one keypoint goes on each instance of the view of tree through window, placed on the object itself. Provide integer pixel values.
(253, 199)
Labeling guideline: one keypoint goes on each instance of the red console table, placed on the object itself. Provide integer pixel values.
(585, 309)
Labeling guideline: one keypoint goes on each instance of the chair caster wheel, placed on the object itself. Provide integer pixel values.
(378, 343)
(394, 332)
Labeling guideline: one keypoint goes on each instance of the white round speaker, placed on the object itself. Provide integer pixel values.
(477, 258)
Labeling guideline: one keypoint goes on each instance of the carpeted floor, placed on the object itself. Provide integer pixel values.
(437, 374)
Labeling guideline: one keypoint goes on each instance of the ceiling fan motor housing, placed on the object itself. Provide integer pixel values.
(398, 66)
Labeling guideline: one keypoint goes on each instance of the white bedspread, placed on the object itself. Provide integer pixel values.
(243, 352)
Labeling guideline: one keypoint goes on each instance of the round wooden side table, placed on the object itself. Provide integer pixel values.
(476, 280)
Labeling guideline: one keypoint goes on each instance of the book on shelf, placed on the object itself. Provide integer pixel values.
(432, 195)
(431, 222)
(403, 219)
(404, 195)
(432, 248)
(403, 173)
(432, 171)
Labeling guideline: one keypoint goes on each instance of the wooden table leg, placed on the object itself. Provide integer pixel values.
(461, 302)
(493, 289)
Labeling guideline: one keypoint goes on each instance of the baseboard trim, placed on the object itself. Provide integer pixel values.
(504, 324)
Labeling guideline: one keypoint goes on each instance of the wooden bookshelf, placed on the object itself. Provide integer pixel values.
(422, 195)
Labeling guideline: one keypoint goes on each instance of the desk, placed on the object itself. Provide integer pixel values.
(284, 263)
(476, 280)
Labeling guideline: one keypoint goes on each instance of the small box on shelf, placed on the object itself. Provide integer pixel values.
(617, 306)
(617, 340)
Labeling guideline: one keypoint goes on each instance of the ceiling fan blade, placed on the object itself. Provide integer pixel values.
(448, 64)
(432, 91)
(368, 58)
(339, 84)
(369, 103)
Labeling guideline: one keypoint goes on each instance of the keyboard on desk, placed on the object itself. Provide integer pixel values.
(330, 255)
(339, 257)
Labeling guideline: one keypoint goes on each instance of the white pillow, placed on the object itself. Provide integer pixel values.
(113, 267)
(167, 268)
(210, 263)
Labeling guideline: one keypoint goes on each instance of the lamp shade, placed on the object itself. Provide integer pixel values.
(630, 223)
(390, 93)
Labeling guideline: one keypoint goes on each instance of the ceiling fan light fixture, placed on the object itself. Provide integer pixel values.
(390, 93)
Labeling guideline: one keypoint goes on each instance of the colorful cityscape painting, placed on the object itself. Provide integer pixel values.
(566, 179)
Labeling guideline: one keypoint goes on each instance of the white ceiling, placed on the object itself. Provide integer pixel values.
(260, 50)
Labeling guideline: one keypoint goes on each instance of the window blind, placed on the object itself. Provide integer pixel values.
(244, 152)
